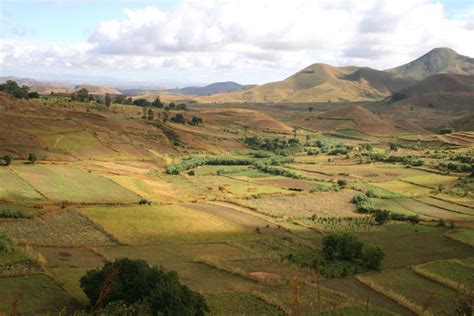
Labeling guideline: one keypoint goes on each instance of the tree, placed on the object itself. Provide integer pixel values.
(8, 160)
(342, 183)
(157, 102)
(310, 109)
(381, 216)
(33, 95)
(172, 105)
(178, 118)
(141, 102)
(151, 115)
(446, 130)
(135, 281)
(108, 100)
(32, 157)
(342, 246)
(11, 87)
(196, 120)
(373, 256)
(81, 95)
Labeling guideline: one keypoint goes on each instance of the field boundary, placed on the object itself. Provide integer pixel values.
(438, 279)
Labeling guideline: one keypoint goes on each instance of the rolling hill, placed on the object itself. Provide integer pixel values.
(438, 60)
(322, 82)
(97, 89)
(213, 88)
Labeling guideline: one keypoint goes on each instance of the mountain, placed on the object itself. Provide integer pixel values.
(441, 83)
(438, 60)
(213, 88)
(39, 86)
(97, 89)
(322, 82)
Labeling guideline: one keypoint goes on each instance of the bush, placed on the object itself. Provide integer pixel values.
(381, 216)
(12, 214)
(345, 254)
(8, 160)
(144, 202)
(135, 281)
(342, 183)
(446, 130)
(6, 244)
(32, 157)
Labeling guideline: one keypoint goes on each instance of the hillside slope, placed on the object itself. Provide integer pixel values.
(213, 88)
(438, 60)
(321, 82)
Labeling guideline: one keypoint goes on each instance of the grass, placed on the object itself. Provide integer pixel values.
(69, 279)
(70, 257)
(143, 225)
(447, 205)
(406, 244)
(359, 310)
(147, 188)
(240, 304)
(431, 211)
(465, 236)
(452, 273)
(14, 188)
(61, 183)
(336, 204)
(59, 229)
(35, 294)
(432, 180)
(412, 291)
(404, 188)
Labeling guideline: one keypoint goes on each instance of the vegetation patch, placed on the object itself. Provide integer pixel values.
(451, 273)
(168, 223)
(60, 183)
(14, 188)
(465, 236)
(36, 294)
(240, 304)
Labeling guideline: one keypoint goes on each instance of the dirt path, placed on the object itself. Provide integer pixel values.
(242, 219)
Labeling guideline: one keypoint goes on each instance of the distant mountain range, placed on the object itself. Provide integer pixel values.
(322, 82)
(213, 88)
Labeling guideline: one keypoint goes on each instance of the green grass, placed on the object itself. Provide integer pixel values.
(404, 188)
(375, 190)
(432, 180)
(14, 188)
(61, 183)
(465, 236)
(411, 289)
(406, 244)
(212, 170)
(36, 294)
(66, 228)
(360, 311)
(169, 223)
(450, 273)
(69, 279)
(240, 304)
(392, 205)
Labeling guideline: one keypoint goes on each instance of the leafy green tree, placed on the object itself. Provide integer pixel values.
(11, 87)
(141, 102)
(33, 95)
(381, 216)
(8, 160)
(134, 281)
(342, 183)
(108, 100)
(82, 95)
(172, 105)
(178, 118)
(373, 256)
(32, 158)
(393, 147)
(342, 246)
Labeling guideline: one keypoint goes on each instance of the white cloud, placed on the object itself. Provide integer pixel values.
(255, 40)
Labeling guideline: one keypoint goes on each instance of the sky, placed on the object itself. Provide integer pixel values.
(172, 42)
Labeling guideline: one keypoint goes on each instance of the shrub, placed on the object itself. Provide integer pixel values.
(32, 157)
(342, 183)
(144, 202)
(134, 281)
(12, 214)
(373, 256)
(6, 244)
(8, 160)
(381, 216)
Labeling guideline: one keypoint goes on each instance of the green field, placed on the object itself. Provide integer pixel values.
(143, 225)
(452, 273)
(35, 295)
(465, 236)
(14, 188)
(413, 291)
(404, 188)
(240, 304)
(61, 183)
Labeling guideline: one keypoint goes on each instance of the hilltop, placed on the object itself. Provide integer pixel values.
(438, 60)
(322, 82)
(97, 89)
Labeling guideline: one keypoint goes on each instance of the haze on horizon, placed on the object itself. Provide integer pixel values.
(183, 42)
